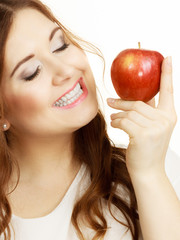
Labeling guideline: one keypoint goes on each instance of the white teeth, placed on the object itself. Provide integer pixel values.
(58, 104)
(77, 88)
(70, 97)
(64, 99)
(71, 94)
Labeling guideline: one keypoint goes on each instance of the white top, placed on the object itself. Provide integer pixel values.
(57, 225)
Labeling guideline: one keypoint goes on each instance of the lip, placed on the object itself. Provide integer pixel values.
(78, 100)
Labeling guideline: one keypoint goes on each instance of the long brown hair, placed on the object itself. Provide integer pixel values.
(92, 145)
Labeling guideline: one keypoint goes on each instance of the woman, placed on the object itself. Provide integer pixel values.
(61, 177)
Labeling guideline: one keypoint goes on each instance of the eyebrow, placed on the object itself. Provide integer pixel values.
(32, 55)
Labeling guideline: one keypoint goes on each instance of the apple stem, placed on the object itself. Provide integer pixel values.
(139, 44)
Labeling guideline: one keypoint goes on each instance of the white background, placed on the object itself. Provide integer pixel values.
(114, 25)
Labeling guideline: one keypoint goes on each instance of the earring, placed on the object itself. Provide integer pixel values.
(4, 126)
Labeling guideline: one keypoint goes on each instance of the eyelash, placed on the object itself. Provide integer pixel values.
(38, 70)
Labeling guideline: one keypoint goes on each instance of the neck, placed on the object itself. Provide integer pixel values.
(41, 158)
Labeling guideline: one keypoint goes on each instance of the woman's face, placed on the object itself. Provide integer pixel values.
(48, 84)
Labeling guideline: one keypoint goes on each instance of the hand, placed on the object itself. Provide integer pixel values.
(149, 127)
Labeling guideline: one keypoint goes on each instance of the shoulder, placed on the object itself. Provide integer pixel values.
(172, 167)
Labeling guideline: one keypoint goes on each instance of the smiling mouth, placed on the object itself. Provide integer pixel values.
(73, 96)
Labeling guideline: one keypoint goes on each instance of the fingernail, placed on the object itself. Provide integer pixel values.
(110, 100)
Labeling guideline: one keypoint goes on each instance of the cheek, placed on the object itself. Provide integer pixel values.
(78, 59)
(22, 106)
(80, 62)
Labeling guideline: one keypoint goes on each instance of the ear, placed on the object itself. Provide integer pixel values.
(6, 125)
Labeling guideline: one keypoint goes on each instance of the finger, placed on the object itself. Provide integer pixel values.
(166, 99)
(152, 102)
(135, 117)
(138, 106)
(131, 128)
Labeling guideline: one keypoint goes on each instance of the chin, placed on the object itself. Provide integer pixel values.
(87, 116)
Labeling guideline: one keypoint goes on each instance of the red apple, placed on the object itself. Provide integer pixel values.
(135, 74)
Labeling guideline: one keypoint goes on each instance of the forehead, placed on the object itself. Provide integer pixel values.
(29, 23)
(29, 28)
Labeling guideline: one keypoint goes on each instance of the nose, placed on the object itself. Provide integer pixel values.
(60, 70)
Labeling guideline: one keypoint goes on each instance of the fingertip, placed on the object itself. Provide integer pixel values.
(110, 100)
(112, 116)
(167, 64)
(169, 60)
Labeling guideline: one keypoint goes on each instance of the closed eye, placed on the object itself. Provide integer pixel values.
(34, 75)
(38, 70)
(62, 48)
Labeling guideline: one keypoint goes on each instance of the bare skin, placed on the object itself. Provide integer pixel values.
(42, 134)
(149, 129)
